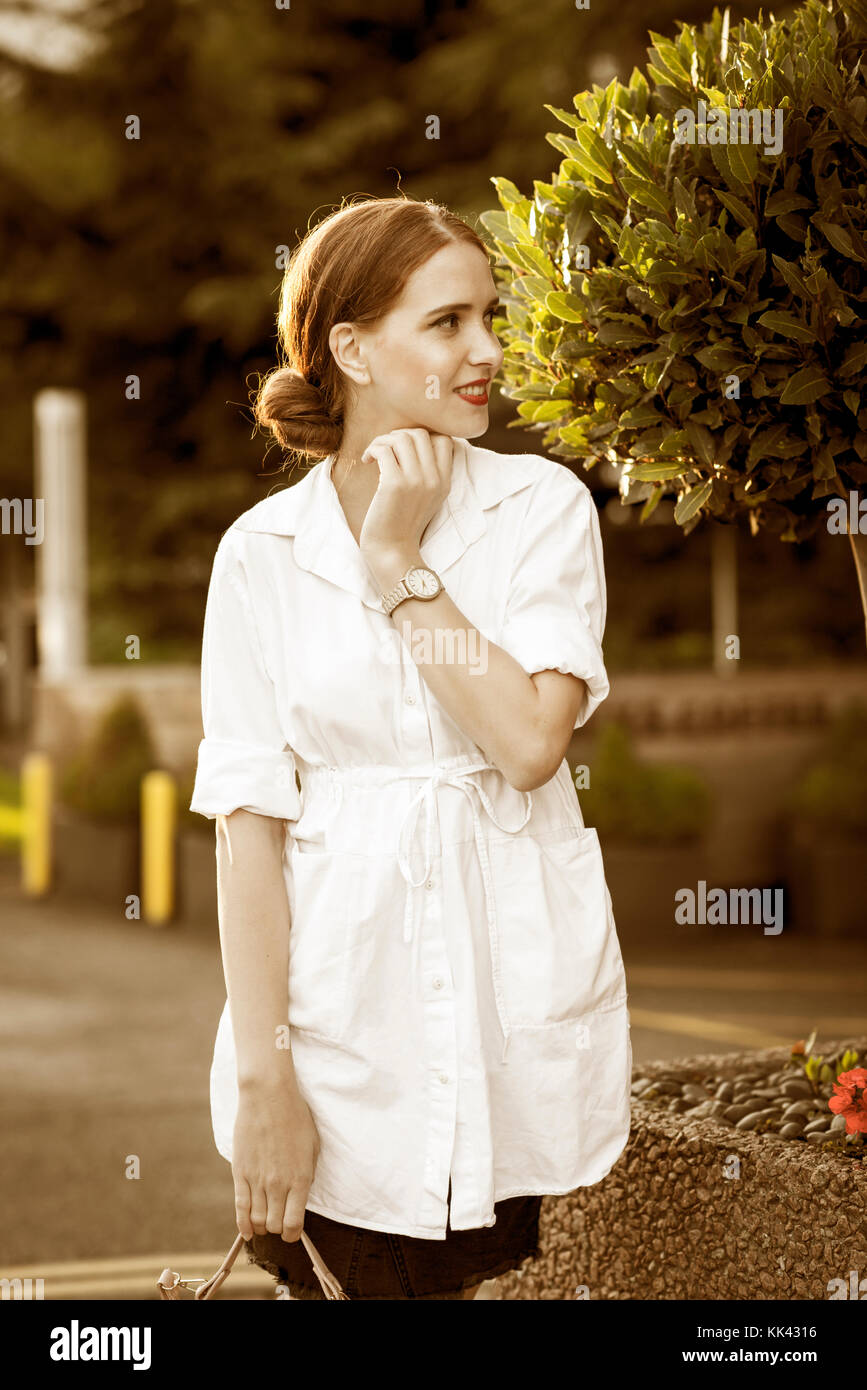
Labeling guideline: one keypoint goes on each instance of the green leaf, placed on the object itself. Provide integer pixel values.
(721, 357)
(596, 150)
(855, 360)
(781, 201)
(720, 156)
(574, 435)
(635, 159)
(668, 59)
(684, 201)
(651, 504)
(656, 472)
(792, 276)
(641, 417)
(744, 160)
(701, 440)
(544, 410)
(809, 384)
(622, 335)
(839, 238)
(535, 260)
(583, 151)
(646, 193)
(737, 207)
(794, 226)
(823, 463)
(565, 306)
(692, 501)
(568, 117)
(778, 321)
(506, 227)
(507, 191)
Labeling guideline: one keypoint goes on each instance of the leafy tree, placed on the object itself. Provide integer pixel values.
(696, 313)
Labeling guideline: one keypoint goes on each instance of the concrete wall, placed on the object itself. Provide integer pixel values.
(666, 1223)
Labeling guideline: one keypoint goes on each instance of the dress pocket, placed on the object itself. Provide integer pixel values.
(320, 942)
(560, 958)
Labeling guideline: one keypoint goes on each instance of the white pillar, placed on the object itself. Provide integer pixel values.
(61, 559)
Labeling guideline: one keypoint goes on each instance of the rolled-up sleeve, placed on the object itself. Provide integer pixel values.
(556, 605)
(244, 761)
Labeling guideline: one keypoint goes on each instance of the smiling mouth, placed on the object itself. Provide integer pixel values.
(476, 395)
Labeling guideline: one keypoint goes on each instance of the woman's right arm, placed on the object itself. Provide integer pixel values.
(275, 1143)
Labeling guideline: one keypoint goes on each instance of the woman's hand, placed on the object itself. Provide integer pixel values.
(415, 474)
(274, 1155)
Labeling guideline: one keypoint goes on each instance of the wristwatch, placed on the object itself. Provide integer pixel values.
(418, 582)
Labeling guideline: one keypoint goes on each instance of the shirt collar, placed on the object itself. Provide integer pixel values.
(324, 545)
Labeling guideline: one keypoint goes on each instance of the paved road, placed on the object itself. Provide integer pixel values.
(107, 1029)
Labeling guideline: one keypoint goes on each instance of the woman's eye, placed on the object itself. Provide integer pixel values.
(490, 314)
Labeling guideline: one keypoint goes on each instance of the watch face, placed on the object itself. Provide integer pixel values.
(422, 583)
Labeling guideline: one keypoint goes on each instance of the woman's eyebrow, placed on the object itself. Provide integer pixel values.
(450, 308)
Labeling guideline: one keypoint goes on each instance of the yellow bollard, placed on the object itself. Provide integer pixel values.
(36, 796)
(158, 822)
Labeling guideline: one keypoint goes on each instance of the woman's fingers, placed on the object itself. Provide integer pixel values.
(443, 449)
(390, 472)
(399, 452)
(420, 441)
(293, 1212)
(415, 457)
(414, 478)
(258, 1209)
(275, 1196)
(242, 1207)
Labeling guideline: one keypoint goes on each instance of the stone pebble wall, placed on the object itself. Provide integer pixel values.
(666, 1223)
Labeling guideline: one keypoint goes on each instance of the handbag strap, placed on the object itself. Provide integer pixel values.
(170, 1283)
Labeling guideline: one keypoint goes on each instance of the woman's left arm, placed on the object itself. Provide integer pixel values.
(523, 723)
(519, 705)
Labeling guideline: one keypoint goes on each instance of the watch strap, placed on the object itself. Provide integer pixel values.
(401, 591)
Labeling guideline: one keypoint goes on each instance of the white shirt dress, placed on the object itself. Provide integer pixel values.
(457, 998)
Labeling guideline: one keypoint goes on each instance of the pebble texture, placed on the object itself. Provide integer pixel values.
(668, 1223)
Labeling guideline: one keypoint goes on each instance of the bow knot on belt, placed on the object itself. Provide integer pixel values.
(461, 777)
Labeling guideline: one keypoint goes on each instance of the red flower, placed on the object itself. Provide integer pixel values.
(850, 1099)
(798, 1048)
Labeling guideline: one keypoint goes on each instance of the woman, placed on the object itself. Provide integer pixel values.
(426, 1026)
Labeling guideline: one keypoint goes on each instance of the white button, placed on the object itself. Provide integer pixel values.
(429, 883)
(437, 983)
(410, 699)
(443, 1078)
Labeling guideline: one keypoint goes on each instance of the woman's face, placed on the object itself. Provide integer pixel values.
(435, 341)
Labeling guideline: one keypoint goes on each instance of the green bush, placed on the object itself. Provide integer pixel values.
(103, 782)
(832, 794)
(649, 273)
(641, 802)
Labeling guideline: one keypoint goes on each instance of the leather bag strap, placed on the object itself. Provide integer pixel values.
(171, 1283)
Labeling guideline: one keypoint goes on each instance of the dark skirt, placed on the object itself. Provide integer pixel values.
(380, 1265)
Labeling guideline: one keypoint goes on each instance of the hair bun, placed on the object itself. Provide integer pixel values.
(292, 407)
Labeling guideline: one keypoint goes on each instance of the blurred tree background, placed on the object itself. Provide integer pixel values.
(157, 258)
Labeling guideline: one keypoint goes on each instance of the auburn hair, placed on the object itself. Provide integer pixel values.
(351, 267)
